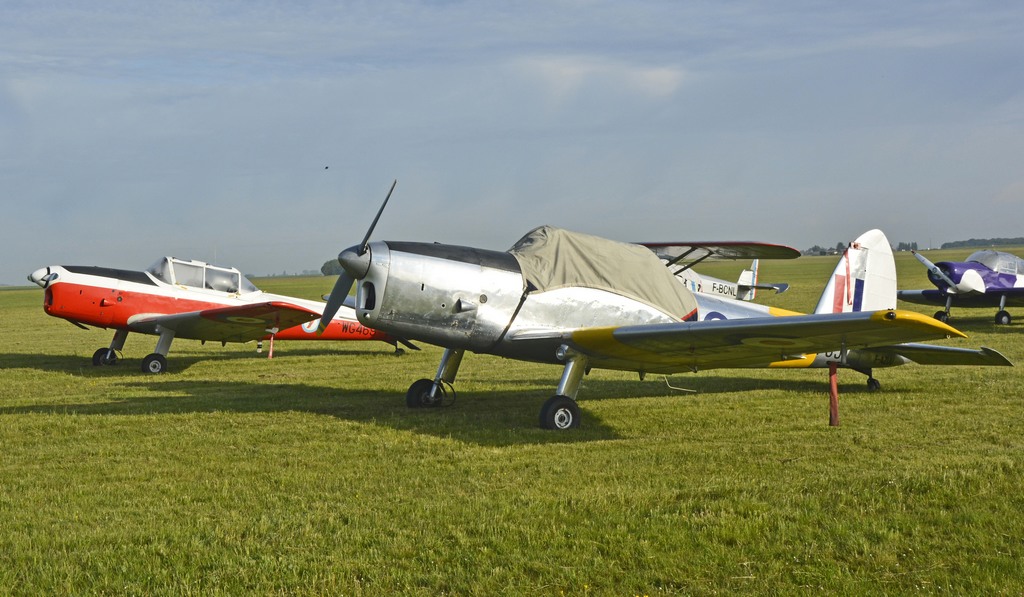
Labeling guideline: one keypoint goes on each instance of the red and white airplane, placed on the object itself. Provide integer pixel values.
(177, 298)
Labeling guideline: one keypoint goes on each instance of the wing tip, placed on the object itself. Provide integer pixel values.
(912, 318)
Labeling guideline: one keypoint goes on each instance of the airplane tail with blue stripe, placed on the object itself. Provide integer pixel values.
(864, 278)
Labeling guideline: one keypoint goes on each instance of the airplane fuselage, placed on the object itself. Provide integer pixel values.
(974, 281)
(114, 298)
(478, 300)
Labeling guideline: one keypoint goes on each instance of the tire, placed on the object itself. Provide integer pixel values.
(1003, 318)
(942, 316)
(418, 395)
(154, 363)
(560, 413)
(874, 385)
(100, 357)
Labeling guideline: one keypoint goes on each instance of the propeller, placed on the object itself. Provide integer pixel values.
(935, 271)
(355, 262)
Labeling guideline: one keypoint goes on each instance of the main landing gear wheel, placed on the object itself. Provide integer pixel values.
(419, 396)
(560, 412)
(1002, 318)
(154, 363)
(104, 356)
(942, 316)
(874, 385)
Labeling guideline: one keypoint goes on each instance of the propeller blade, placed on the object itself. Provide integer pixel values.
(336, 300)
(366, 239)
(935, 271)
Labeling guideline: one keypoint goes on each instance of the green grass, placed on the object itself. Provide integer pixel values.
(306, 474)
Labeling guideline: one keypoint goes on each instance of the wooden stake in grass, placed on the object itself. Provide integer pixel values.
(833, 396)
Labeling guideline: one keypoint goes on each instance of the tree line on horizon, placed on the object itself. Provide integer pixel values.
(984, 242)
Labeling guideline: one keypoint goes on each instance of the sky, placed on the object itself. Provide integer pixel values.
(264, 135)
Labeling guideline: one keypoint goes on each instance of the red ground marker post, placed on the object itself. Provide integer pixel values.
(833, 395)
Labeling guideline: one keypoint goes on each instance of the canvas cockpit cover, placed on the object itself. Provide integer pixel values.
(553, 258)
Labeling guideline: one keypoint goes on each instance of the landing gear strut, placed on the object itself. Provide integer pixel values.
(560, 411)
(943, 315)
(1002, 317)
(104, 356)
(428, 393)
(109, 356)
(156, 362)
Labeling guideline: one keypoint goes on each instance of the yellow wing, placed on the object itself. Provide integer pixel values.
(691, 346)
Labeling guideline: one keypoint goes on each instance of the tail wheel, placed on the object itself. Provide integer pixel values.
(154, 363)
(1003, 318)
(559, 413)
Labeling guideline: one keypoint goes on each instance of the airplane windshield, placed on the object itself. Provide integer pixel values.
(161, 270)
(998, 261)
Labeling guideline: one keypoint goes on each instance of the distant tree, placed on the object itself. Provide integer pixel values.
(840, 247)
(906, 246)
(331, 268)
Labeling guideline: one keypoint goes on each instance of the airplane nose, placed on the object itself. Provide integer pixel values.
(40, 277)
(355, 263)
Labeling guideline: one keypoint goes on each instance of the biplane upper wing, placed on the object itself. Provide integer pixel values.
(227, 324)
(687, 255)
(692, 346)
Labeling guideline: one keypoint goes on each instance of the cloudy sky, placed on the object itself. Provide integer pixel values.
(264, 134)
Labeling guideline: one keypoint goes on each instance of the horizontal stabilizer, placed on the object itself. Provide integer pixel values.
(778, 288)
(350, 301)
(929, 354)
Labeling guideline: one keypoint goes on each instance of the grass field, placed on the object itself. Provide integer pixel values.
(306, 474)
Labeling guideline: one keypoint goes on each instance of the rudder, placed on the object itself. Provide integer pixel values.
(864, 279)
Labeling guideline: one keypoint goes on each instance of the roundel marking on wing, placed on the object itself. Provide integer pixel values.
(768, 342)
(240, 319)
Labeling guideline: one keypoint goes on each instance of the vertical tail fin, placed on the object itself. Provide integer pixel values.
(747, 283)
(864, 278)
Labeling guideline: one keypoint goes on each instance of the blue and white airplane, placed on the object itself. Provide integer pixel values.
(987, 279)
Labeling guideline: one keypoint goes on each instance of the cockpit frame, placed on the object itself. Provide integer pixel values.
(192, 273)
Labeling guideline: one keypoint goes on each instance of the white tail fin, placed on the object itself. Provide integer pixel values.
(864, 279)
(747, 283)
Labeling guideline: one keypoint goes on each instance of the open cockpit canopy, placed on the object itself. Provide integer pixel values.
(997, 261)
(198, 274)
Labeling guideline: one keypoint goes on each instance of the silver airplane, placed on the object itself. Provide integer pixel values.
(582, 301)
